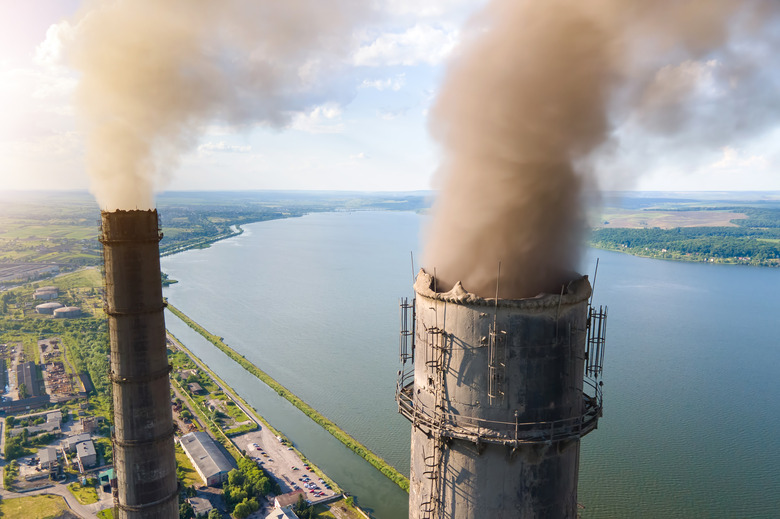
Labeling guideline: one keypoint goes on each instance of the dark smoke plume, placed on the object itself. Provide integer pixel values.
(155, 72)
(542, 93)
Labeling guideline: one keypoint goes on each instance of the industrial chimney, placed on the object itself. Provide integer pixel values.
(144, 457)
(499, 393)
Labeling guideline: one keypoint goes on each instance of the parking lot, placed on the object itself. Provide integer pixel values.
(283, 463)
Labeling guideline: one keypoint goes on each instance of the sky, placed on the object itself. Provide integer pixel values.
(372, 136)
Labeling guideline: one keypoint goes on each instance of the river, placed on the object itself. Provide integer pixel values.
(692, 399)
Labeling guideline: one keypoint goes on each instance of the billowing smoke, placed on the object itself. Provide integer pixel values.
(154, 73)
(543, 94)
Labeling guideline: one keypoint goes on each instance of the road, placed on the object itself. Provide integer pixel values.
(59, 489)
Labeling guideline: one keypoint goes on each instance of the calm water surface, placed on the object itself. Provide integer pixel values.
(692, 395)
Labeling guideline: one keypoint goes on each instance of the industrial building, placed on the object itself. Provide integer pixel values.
(27, 374)
(499, 393)
(200, 506)
(45, 293)
(144, 457)
(47, 308)
(69, 443)
(195, 388)
(47, 458)
(89, 424)
(67, 312)
(85, 451)
(287, 500)
(281, 513)
(209, 461)
(52, 424)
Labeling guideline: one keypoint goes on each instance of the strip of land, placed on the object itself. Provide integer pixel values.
(341, 435)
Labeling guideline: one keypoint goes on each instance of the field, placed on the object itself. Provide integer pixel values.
(37, 506)
(632, 219)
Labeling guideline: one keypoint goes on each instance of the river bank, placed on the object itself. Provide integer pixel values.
(669, 255)
(236, 230)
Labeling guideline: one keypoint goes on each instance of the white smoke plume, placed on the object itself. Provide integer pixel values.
(542, 94)
(154, 73)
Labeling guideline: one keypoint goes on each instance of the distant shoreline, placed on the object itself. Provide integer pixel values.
(205, 243)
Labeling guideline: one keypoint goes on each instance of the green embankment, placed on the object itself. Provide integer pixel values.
(360, 449)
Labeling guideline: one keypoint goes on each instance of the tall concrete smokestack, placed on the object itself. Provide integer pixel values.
(499, 395)
(144, 457)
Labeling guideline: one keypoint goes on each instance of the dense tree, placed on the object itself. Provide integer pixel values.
(245, 485)
(186, 511)
(752, 245)
(241, 511)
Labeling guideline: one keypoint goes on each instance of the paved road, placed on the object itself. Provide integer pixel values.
(83, 511)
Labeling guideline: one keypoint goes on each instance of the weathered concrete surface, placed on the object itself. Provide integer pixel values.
(144, 456)
(515, 453)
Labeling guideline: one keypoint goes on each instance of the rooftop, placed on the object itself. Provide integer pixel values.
(86, 448)
(205, 453)
(47, 455)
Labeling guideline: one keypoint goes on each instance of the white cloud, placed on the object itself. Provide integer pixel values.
(223, 147)
(427, 8)
(732, 159)
(358, 156)
(49, 51)
(419, 44)
(321, 119)
(394, 84)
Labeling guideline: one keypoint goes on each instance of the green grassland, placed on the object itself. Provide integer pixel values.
(184, 469)
(86, 495)
(36, 506)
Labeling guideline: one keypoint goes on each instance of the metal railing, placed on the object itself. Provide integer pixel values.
(509, 432)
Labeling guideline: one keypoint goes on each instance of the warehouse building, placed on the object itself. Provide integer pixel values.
(209, 461)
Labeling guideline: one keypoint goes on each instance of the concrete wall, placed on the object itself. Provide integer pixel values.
(144, 456)
(515, 454)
